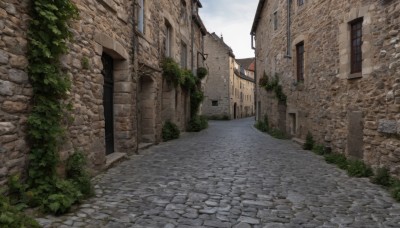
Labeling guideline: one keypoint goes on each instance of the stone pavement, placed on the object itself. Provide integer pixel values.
(231, 175)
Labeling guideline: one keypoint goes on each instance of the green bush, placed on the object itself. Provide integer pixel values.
(171, 71)
(62, 198)
(357, 168)
(201, 72)
(319, 149)
(197, 123)
(395, 189)
(77, 173)
(338, 159)
(277, 133)
(263, 125)
(170, 131)
(260, 125)
(309, 144)
(382, 177)
(11, 216)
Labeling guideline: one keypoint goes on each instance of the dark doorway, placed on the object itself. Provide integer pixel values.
(234, 111)
(108, 101)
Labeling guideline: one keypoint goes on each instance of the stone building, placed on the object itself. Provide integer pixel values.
(114, 65)
(338, 63)
(103, 122)
(229, 87)
(166, 29)
(244, 69)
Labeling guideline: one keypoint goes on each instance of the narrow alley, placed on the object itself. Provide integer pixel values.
(230, 175)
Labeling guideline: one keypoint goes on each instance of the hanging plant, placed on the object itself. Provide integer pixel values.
(201, 72)
(188, 81)
(171, 71)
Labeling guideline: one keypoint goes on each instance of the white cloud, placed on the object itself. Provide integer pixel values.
(233, 19)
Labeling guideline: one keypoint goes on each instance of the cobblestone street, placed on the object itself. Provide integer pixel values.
(231, 175)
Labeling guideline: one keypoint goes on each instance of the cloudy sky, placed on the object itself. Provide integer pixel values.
(233, 19)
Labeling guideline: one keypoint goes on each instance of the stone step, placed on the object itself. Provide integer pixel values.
(115, 158)
(298, 141)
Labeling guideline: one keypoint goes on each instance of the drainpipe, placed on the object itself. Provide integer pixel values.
(288, 49)
(192, 31)
(135, 76)
(253, 46)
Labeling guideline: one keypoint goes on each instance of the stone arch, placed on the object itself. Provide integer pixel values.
(147, 109)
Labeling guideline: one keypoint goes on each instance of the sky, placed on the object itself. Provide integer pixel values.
(233, 19)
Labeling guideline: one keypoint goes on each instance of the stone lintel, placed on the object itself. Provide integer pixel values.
(111, 46)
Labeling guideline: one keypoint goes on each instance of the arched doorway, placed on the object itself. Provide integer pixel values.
(108, 101)
(147, 105)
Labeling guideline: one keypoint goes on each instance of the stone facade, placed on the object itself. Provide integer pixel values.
(354, 114)
(106, 44)
(229, 87)
(86, 132)
(15, 90)
(171, 29)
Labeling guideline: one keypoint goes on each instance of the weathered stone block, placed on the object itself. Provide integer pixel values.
(387, 126)
(3, 57)
(13, 107)
(6, 88)
(20, 62)
(6, 127)
(18, 76)
(123, 87)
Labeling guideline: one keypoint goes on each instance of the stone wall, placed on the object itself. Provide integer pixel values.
(103, 27)
(354, 116)
(166, 102)
(15, 90)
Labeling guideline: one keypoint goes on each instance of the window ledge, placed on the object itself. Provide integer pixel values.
(355, 75)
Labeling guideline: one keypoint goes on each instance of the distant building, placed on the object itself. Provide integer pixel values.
(229, 86)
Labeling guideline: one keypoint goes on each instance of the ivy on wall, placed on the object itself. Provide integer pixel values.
(48, 37)
(185, 78)
(273, 85)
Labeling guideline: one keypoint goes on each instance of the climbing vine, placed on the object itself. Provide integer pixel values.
(48, 37)
(189, 82)
(273, 85)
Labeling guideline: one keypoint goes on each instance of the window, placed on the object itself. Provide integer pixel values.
(168, 39)
(183, 55)
(183, 9)
(300, 61)
(356, 43)
(140, 15)
(214, 103)
(275, 20)
(300, 2)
